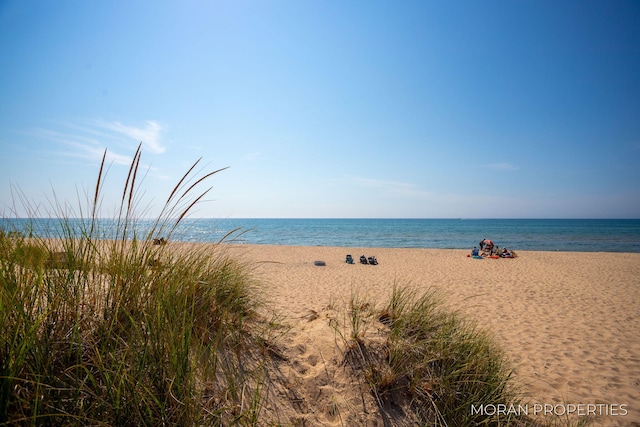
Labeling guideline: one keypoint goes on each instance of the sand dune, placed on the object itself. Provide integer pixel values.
(570, 322)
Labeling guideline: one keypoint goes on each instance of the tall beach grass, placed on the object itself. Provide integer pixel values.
(105, 323)
(122, 331)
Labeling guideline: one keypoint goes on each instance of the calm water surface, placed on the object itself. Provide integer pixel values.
(580, 235)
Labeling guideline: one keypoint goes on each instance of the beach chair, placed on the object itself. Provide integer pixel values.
(349, 259)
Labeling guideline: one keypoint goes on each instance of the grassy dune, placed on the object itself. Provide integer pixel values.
(128, 331)
(124, 331)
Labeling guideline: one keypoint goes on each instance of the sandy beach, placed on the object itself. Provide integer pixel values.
(569, 322)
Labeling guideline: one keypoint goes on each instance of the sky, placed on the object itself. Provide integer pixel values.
(324, 109)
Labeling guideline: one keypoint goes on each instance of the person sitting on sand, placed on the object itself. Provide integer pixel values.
(505, 253)
(487, 247)
(475, 251)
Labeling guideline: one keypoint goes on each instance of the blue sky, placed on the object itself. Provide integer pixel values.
(430, 109)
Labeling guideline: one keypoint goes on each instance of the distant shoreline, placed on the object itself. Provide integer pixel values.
(564, 235)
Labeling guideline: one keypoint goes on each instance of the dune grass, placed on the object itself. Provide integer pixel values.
(122, 331)
(428, 365)
(115, 327)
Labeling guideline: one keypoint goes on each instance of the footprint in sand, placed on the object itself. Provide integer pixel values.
(312, 359)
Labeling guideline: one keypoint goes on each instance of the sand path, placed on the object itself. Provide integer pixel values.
(570, 322)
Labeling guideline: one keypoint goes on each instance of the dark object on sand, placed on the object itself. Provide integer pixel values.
(349, 259)
(370, 261)
(319, 263)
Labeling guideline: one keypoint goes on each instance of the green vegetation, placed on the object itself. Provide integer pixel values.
(127, 332)
(428, 365)
(98, 330)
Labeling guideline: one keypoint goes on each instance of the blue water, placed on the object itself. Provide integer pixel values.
(579, 235)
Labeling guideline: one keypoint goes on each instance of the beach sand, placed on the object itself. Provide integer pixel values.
(569, 322)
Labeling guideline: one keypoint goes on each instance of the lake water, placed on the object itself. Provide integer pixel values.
(579, 235)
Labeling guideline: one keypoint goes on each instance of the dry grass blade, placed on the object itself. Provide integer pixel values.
(179, 184)
(98, 182)
(186, 211)
(130, 174)
(133, 181)
(188, 190)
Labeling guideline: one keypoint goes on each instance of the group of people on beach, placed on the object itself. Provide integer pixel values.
(487, 248)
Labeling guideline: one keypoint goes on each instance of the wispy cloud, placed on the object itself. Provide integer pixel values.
(89, 140)
(149, 135)
(96, 153)
(81, 146)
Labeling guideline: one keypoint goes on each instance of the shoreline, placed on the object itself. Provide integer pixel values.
(374, 248)
(570, 235)
(568, 321)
